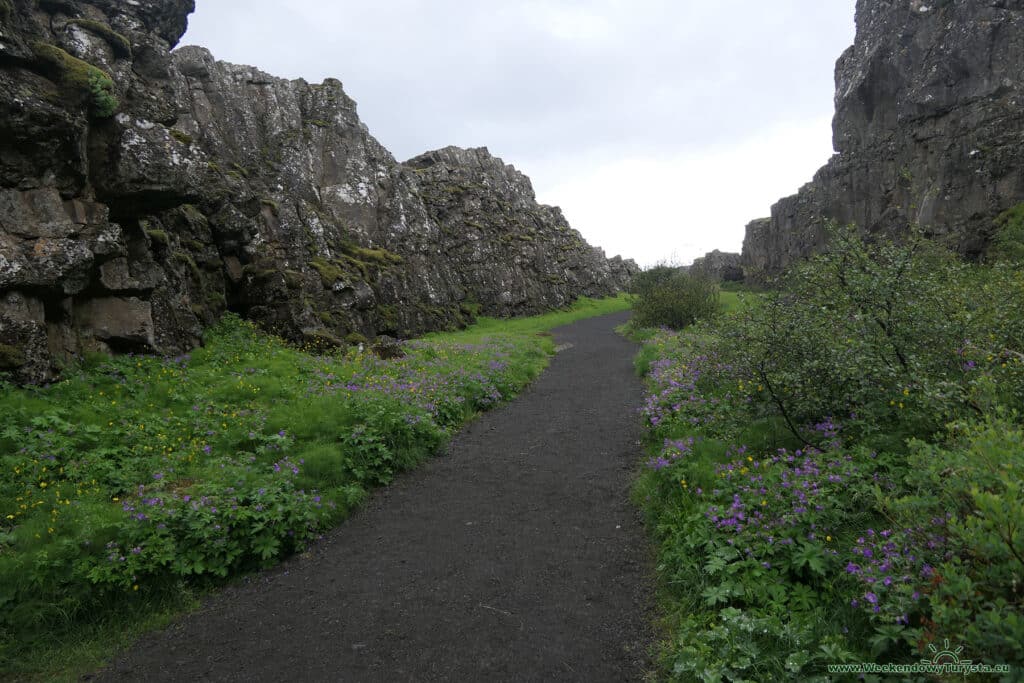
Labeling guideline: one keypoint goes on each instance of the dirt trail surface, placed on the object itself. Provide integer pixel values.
(514, 557)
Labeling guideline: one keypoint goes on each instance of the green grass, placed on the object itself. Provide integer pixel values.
(488, 327)
(90, 646)
(138, 482)
(732, 301)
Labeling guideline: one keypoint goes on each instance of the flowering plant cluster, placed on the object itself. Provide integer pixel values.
(834, 473)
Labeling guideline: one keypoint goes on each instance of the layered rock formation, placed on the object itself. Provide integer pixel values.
(145, 192)
(928, 130)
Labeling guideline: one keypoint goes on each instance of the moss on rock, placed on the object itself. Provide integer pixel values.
(381, 257)
(119, 43)
(158, 236)
(329, 271)
(356, 338)
(81, 80)
(181, 136)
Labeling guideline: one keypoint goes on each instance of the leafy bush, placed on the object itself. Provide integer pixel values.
(975, 483)
(886, 337)
(835, 468)
(671, 297)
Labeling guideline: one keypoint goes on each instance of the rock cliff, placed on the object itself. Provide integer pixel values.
(718, 265)
(143, 192)
(928, 131)
(492, 225)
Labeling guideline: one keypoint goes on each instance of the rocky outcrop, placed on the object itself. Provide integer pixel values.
(718, 265)
(143, 192)
(515, 256)
(928, 130)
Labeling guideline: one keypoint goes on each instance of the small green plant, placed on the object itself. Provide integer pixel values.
(104, 102)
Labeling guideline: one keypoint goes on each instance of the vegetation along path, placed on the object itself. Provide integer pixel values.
(517, 556)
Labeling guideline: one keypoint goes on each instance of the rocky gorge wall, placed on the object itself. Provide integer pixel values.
(143, 192)
(928, 131)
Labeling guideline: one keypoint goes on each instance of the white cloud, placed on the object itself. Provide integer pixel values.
(676, 208)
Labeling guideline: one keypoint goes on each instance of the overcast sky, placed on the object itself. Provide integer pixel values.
(661, 127)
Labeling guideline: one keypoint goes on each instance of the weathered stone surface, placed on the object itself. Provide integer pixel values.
(132, 223)
(23, 337)
(928, 130)
(117, 321)
(718, 265)
(513, 255)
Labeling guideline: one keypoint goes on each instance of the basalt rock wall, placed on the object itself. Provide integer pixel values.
(492, 226)
(928, 132)
(143, 192)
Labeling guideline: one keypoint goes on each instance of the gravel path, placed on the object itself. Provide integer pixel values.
(515, 557)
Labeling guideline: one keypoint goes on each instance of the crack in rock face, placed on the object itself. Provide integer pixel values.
(144, 192)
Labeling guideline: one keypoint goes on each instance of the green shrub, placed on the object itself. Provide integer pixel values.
(976, 484)
(835, 469)
(883, 332)
(670, 297)
(1008, 241)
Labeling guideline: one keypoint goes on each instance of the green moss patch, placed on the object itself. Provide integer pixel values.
(81, 80)
(381, 257)
(181, 136)
(329, 270)
(158, 237)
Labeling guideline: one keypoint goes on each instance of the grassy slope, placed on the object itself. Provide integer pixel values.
(242, 419)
